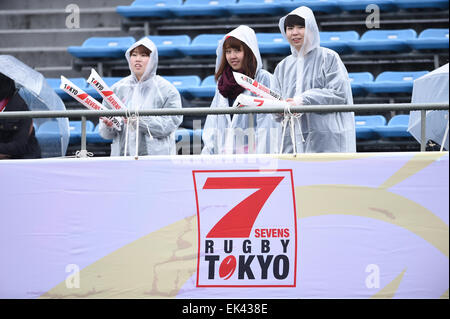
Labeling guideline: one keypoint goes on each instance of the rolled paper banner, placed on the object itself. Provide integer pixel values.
(85, 99)
(103, 89)
(255, 87)
(246, 100)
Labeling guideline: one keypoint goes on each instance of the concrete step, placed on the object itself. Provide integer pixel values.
(52, 4)
(60, 37)
(58, 18)
(40, 56)
(57, 71)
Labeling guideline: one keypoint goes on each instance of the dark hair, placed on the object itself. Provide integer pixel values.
(141, 49)
(249, 64)
(7, 87)
(292, 20)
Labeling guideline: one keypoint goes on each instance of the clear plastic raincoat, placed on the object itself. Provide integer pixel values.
(315, 76)
(242, 133)
(155, 134)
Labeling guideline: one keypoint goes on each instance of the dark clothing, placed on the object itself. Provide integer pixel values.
(227, 85)
(17, 138)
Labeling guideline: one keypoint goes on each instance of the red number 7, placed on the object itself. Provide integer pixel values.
(238, 222)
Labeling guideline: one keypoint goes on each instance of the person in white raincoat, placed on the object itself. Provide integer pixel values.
(313, 75)
(239, 133)
(143, 90)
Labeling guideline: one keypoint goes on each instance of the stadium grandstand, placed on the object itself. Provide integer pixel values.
(397, 42)
(162, 221)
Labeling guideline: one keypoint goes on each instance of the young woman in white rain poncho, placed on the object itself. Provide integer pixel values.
(143, 90)
(241, 133)
(313, 75)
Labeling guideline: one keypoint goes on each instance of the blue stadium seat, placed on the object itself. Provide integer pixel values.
(54, 84)
(384, 40)
(102, 47)
(183, 134)
(357, 81)
(48, 132)
(361, 5)
(273, 43)
(110, 81)
(184, 83)
(207, 88)
(338, 41)
(203, 44)
(396, 127)
(94, 137)
(75, 130)
(324, 6)
(168, 45)
(216, 8)
(149, 8)
(413, 4)
(394, 82)
(365, 126)
(256, 7)
(430, 39)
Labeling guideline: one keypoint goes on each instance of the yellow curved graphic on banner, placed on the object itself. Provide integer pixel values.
(157, 266)
(380, 204)
(154, 266)
(390, 289)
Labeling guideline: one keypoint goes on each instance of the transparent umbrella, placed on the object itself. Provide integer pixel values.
(432, 87)
(38, 95)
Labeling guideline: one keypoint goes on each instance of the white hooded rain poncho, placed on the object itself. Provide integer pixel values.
(156, 133)
(316, 76)
(223, 134)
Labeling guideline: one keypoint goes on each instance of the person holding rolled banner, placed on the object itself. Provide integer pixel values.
(313, 75)
(240, 133)
(143, 90)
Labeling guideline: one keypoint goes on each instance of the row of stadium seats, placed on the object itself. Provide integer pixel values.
(191, 86)
(369, 127)
(50, 130)
(373, 127)
(223, 8)
(270, 43)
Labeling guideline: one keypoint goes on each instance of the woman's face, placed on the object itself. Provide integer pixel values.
(138, 62)
(235, 57)
(295, 36)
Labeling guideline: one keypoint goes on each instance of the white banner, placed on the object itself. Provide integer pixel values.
(310, 226)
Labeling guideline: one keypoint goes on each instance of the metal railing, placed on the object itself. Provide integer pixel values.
(201, 111)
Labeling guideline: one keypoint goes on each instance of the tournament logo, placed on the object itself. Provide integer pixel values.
(247, 228)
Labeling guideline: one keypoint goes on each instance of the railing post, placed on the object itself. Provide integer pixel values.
(83, 152)
(423, 141)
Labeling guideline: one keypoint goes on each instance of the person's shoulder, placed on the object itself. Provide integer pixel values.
(282, 63)
(161, 80)
(163, 83)
(262, 72)
(124, 81)
(287, 59)
(326, 52)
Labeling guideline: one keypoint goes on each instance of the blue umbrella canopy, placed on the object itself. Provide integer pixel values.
(39, 96)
